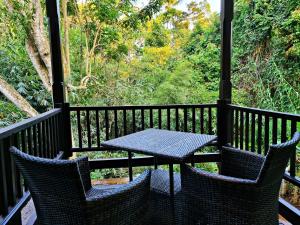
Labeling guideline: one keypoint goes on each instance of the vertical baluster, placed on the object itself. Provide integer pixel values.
(57, 134)
(177, 118)
(50, 138)
(23, 141)
(236, 128)
(185, 119)
(88, 127)
(12, 182)
(48, 135)
(129, 153)
(54, 136)
(283, 131)
(40, 140)
(259, 133)
(193, 130)
(106, 125)
(202, 120)
(241, 129)
(116, 123)
(53, 141)
(98, 129)
(45, 142)
(159, 118)
(194, 120)
(16, 143)
(247, 124)
(151, 118)
(209, 121)
(133, 121)
(10, 173)
(232, 126)
(274, 132)
(54, 147)
(293, 156)
(79, 129)
(29, 140)
(267, 131)
(168, 119)
(3, 182)
(143, 118)
(125, 121)
(253, 132)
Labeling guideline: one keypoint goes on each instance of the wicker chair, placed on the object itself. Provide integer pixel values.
(62, 193)
(246, 191)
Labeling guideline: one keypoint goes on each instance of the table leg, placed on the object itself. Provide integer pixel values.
(193, 162)
(130, 166)
(171, 171)
(155, 163)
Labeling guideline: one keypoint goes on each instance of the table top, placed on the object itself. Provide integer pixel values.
(162, 143)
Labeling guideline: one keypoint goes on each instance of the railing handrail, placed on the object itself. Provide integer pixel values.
(24, 124)
(129, 107)
(288, 116)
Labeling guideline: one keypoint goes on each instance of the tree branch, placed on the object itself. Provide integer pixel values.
(9, 92)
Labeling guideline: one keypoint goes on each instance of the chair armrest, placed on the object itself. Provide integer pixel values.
(217, 179)
(84, 171)
(240, 164)
(120, 205)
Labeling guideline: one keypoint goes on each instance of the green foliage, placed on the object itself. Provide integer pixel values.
(158, 36)
(266, 53)
(9, 114)
(131, 56)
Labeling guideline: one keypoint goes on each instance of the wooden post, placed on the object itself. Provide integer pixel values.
(59, 100)
(67, 132)
(225, 95)
(52, 7)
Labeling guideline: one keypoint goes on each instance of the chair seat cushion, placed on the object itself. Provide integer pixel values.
(99, 190)
(160, 182)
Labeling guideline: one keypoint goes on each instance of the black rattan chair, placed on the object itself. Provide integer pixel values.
(245, 193)
(62, 193)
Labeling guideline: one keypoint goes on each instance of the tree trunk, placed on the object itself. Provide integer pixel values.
(67, 66)
(37, 47)
(9, 92)
(40, 39)
(38, 64)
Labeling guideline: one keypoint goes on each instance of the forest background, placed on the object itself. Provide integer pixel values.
(127, 52)
(116, 53)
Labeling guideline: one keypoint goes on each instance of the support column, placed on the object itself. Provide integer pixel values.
(52, 7)
(224, 120)
(58, 88)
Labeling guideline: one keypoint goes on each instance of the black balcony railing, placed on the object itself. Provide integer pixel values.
(39, 136)
(92, 125)
(48, 135)
(254, 130)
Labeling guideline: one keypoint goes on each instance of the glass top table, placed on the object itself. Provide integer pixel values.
(173, 145)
